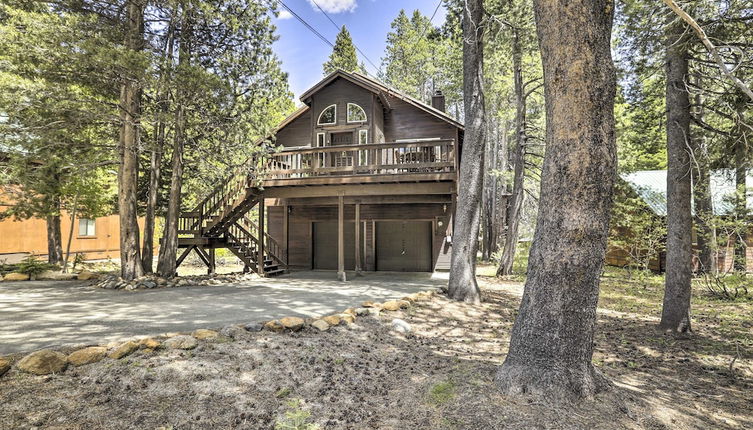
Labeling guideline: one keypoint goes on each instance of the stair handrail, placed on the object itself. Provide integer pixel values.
(270, 244)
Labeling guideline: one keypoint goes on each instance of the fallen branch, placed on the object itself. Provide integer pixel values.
(709, 45)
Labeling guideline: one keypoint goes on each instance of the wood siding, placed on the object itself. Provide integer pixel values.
(297, 132)
(405, 121)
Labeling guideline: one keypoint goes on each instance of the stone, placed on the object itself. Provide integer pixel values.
(349, 311)
(149, 284)
(204, 334)
(362, 312)
(404, 304)
(183, 282)
(150, 343)
(254, 326)
(401, 326)
(4, 366)
(182, 342)
(16, 277)
(43, 362)
(232, 331)
(85, 276)
(348, 318)
(50, 275)
(391, 305)
(124, 350)
(292, 323)
(161, 281)
(88, 355)
(374, 312)
(368, 304)
(274, 325)
(411, 298)
(320, 325)
(332, 320)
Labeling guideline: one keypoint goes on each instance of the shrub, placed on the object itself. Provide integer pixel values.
(32, 267)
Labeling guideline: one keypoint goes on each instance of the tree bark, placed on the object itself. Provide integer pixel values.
(70, 235)
(705, 232)
(741, 170)
(516, 199)
(166, 264)
(462, 285)
(552, 339)
(54, 240)
(128, 147)
(676, 307)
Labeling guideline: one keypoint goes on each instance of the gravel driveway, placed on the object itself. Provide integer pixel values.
(37, 314)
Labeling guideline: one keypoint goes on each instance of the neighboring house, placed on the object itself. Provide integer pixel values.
(365, 180)
(651, 187)
(94, 238)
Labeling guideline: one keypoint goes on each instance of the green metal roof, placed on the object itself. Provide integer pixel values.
(651, 187)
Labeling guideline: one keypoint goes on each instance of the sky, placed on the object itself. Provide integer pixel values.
(302, 53)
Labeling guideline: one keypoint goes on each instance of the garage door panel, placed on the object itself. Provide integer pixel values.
(403, 246)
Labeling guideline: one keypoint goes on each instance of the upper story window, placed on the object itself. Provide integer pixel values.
(356, 113)
(328, 116)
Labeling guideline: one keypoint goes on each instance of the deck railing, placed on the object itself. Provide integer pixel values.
(433, 156)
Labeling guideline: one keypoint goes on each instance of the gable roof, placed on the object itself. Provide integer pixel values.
(381, 90)
(651, 187)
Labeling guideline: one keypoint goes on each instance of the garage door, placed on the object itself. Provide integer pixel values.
(403, 246)
(325, 245)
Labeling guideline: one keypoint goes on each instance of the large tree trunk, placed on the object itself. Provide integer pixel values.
(130, 107)
(166, 264)
(552, 339)
(54, 240)
(516, 199)
(462, 285)
(676, 309)
(489, 204)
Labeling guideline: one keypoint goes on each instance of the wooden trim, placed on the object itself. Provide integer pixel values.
(372, 200)
(285, 232)
(341, 239)
(260, 241)
(363, 179)
(368, 189)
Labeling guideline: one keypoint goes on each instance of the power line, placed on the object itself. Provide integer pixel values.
(338, 28)
(430, 20)
(303, 21)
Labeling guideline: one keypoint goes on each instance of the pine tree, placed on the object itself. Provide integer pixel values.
(343, 55)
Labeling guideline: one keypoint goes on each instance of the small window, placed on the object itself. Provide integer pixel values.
(328, 116)
(363, 137)
(320, 139)
(356, 113)
(86, 228)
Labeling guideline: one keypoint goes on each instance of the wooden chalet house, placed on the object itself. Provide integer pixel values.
(365, 181)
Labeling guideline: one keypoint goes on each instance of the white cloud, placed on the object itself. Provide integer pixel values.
(334, 6)
(284, 14)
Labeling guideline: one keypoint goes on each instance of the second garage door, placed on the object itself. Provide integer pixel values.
(403, 246)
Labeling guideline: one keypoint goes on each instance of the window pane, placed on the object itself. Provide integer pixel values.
(86, 227)
(328, 115)
(363, 136)
(356, 113)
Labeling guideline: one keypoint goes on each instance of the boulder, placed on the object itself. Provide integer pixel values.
(182, 342)
(274, 325)
(362, 312)
(16, 277)
(404, 304)
(204, 334)
(391, 305)
(320, 325)
(50, 275)
(150, 343)
(4, 366)
(88, 355)
(374, 312)
(85, 276)
(123, 350)
(401, 326)
(332, 320)
(349, 311)
(43, 362)
(292, 323)
(232, 331)
(348, 318)
(254, 326)
(368, 304)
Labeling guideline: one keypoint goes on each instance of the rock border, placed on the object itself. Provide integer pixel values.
(148, 282)
(49, 275)
(49, 361)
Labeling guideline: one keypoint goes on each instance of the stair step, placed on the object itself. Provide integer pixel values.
(275, 272)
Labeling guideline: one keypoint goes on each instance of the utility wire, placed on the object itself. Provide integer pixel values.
(430, 20)
(354, 44)
(303, 21)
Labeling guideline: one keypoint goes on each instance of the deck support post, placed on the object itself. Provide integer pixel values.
(358, 239)
(260, 248)
(285, 226)
(341, 238)
(212, 267)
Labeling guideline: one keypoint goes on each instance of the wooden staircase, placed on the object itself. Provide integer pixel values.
(221, 221)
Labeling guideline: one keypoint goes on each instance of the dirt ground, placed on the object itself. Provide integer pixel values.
(439, 376)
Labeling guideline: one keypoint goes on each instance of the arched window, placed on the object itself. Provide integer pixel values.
(328, 116)
(356, 113)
